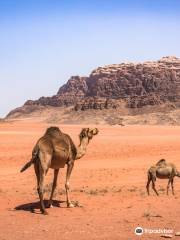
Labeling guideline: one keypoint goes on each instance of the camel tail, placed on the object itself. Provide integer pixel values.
(34, 156)
(152, 174)
(26, 166)
(154, 177)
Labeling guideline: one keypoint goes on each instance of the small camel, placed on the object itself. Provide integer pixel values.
(162, 170)
(54, 150)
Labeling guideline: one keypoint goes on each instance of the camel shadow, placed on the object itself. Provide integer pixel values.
(31, 207)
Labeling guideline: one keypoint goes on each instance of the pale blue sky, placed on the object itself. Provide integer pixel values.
(43, 43)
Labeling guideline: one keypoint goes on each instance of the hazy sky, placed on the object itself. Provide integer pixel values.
(44, 42)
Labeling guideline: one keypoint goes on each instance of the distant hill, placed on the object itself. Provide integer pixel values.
(112, 92)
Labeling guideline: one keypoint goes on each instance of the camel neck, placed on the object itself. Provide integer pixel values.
(81, 149)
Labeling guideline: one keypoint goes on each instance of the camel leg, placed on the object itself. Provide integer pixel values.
(40, 180)
(40, 192)
(68, 174)
(56, 171)
(147, 185)
(154, 188)
(169, 181)
(172, 185)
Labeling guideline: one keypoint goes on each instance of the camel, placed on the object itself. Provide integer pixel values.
(162, 170)
(54, 150)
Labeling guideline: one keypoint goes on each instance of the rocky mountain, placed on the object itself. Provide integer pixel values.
(117, 86)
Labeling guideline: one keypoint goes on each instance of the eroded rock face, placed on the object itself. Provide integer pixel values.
(133, 85)
(75, 89)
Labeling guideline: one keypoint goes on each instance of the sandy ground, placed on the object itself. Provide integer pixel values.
(109, 182)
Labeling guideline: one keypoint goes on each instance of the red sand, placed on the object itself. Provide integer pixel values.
(109, 182)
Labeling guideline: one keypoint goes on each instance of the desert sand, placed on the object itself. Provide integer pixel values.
(109, 182)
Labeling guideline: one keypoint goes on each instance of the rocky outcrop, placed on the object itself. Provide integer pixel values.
(74, 90)
(126, 84)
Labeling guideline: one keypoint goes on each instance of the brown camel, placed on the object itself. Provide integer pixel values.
(54, 150)
(162, 170)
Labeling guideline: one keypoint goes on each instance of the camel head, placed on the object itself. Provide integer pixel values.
(88, 133)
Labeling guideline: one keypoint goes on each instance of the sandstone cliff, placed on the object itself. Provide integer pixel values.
(117, 86)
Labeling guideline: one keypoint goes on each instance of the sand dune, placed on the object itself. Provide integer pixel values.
(109, 182)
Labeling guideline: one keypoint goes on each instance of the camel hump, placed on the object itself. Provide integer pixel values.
(53, 132)
(161, 162)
